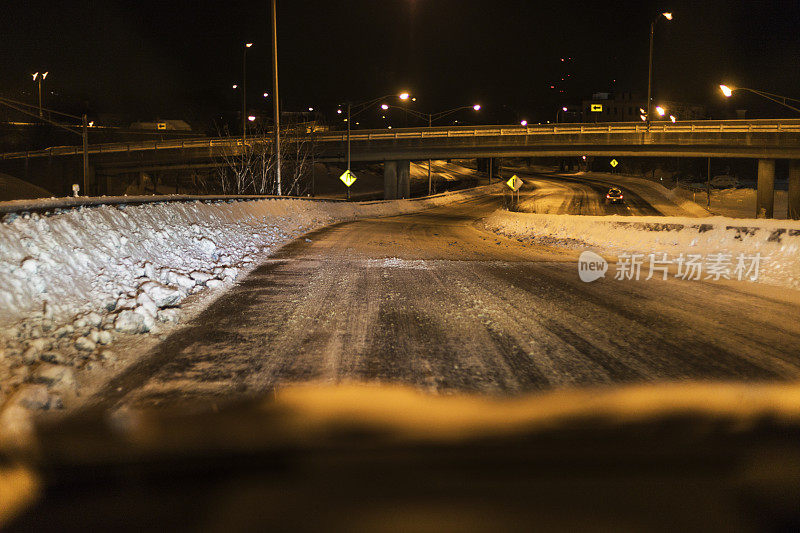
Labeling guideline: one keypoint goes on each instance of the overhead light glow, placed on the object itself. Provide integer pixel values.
(523, 122)
(563, 108)
(235, 86)
(44, 75)
(266, 94)
(311, 109)
(727, 91)
(672, 118)
(404, 96)
(34, 75)
(248, 45)
(251, 118)
(338, 111)
(661, 111)
(477, 107)
(384, 107)
(667, 16)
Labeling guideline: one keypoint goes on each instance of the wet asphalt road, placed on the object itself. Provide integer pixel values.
(433, 300)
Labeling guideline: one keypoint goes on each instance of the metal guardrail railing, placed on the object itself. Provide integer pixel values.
(622, 128)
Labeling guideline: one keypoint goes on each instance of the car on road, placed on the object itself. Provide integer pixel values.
(614, 196)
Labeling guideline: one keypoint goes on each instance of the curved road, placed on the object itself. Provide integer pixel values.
(551, 192)
(433, 300)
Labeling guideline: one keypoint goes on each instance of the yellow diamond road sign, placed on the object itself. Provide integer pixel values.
(614, 163)
(514, 183)
(348, 178)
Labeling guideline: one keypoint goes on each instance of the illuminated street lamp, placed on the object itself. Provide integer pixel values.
(559, 111)
(244, 89)
(36, 76)
(523, 122)
(667, 16)
(661, 111)
(728, 91)
(360, 108)
(251, 118)
(672, 118)
(431, 117)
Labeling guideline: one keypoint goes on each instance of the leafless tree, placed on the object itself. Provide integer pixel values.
(249, 167)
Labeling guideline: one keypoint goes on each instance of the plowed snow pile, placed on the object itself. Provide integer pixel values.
(777, 241)
(71, 282)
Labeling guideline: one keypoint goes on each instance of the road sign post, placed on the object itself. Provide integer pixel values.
(348, 178)
(514, 183)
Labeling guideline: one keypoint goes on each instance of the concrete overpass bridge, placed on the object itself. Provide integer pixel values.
(764, 140)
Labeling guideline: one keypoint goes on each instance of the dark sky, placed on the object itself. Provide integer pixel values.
(178, 58)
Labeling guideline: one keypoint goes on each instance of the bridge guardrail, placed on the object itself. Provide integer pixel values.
(627, 128)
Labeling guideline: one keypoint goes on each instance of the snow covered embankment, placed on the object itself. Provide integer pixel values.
(72, 282)
(777, 241)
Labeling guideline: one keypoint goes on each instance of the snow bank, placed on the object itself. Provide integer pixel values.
(735, 203)
(72, 281)
(778, 242)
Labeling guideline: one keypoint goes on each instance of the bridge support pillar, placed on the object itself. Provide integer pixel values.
(490, 165)
(396, 179)
(793, 208)
(765, 198)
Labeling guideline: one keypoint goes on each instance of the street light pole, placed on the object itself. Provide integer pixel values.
(667, 16)
(430, 125)
(39, 79)
(244, 91)
(85, 142)
(778, 99)
(348, 144)
(650, 72)
(276, 102)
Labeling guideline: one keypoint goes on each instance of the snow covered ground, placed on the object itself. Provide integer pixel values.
(73, 282)
(735, 203)
(777, 242)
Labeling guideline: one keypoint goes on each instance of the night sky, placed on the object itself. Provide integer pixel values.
(178, 58)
